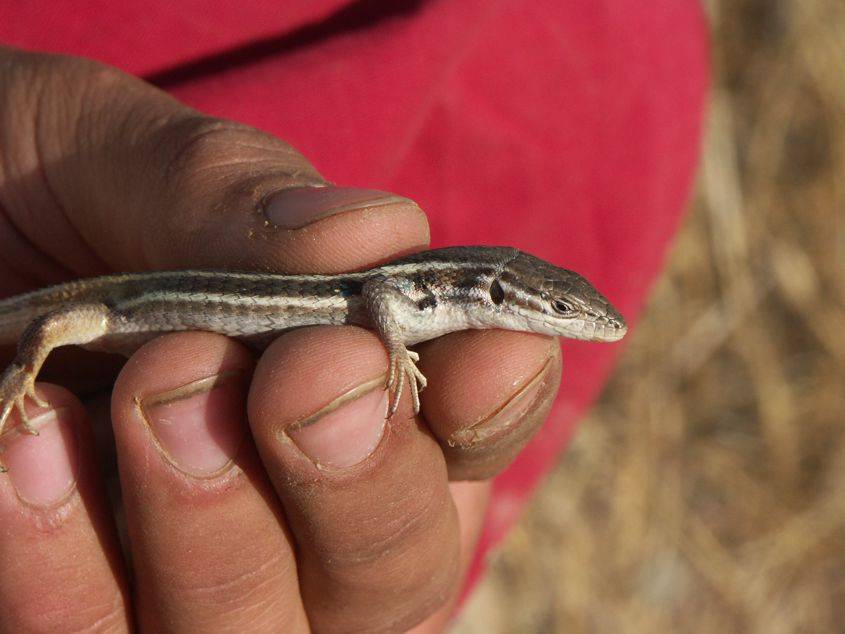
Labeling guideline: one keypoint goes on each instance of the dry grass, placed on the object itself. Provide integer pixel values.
(706, 492)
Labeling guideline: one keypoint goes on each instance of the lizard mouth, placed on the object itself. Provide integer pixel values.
(606, 330)
(614, 332)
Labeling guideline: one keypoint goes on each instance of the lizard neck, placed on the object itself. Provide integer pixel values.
(444, 297)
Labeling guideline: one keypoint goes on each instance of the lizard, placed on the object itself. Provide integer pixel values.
(406, 301)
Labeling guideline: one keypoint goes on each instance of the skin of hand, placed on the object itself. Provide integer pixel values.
(257, 494)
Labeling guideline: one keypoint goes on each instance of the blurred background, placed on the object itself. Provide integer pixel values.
(706, 490)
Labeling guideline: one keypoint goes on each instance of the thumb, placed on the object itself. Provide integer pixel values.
(101, 171)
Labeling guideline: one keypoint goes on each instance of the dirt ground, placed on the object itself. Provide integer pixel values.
(706, 490)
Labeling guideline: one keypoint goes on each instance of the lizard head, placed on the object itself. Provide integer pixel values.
(554, 301)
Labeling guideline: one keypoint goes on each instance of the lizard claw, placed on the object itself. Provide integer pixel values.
(33, 395)
(403, 363)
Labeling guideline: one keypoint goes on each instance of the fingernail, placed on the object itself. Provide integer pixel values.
(299, 206)
(199, 427)
(528, 398)
(347, 430)
(43, 468)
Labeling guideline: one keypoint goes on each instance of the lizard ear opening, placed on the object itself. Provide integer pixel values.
(497, 293)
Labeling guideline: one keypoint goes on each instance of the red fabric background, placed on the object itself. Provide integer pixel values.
(568, 129)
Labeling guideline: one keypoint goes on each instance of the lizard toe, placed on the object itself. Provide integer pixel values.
(31, 393)
(20, 405)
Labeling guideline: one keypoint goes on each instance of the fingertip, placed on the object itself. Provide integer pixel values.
(484, 407)
(180, 357)
(331, 412)
(347, 430)
(188, 391)
(43, 467)
(54, 511)
(355, 238)
(258, 232)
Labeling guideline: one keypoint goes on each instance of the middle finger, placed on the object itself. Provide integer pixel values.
(367, 500)
(208, 542)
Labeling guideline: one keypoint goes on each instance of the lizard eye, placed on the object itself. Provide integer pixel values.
(561, 307)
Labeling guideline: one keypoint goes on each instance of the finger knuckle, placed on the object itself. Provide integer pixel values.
(406, 563)
(196, 145)
(55, 615)
(232, 586)
(193, 141)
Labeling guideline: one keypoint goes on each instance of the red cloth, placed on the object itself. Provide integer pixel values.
(568, 129)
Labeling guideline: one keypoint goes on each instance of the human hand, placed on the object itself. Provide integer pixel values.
(257, 495)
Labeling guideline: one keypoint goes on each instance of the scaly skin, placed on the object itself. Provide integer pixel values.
(407, 301)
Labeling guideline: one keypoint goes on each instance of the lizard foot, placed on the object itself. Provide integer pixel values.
(403, 363)
(16, 384)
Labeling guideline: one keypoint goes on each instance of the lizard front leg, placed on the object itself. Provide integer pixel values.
(385, 300)
(70, 325)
